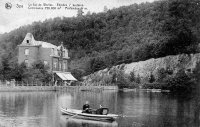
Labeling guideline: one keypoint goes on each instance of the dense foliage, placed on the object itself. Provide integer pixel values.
(36, 73)
(181, 82)
(123, 35)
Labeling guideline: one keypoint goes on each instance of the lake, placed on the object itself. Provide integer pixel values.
(138, 108)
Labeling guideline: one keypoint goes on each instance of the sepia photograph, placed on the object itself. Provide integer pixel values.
(100, 63)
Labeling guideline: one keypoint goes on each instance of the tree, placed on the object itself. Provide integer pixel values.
(77, 73)
(19, 72)
(178, 25)
(122, 80)
(97, 64)
(132, 76)
(161, 74)
(105, 8)
(138, 79)
(88, 13)
(40, 72)
(80, 12)
(151, 78)
(122, 35)
(180, 83)
(5, 69)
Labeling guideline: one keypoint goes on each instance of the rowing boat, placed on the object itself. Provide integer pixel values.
(78, 114)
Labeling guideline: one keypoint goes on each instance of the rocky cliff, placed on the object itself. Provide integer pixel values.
(144, 69)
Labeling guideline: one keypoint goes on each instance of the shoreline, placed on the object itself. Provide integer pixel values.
(79, 88)
(55, 88)
(27, 88)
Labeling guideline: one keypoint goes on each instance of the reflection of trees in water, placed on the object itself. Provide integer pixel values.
(188, 109)
(180, 112)
(197, 96)
(197, 106)
(10, 101)
(196, 114)
(28, 106)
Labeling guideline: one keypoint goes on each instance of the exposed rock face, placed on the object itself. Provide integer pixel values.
(173, 63)
(144, 69)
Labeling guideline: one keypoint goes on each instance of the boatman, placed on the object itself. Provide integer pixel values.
(100, 110)
(86, 107)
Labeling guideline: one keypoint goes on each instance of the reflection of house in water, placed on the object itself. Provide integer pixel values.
(56, 57)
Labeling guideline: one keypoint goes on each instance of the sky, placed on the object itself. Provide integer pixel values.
(24, 12)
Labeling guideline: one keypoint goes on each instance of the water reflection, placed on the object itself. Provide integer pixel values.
(72, 122)
(27, 109)
(140, 109)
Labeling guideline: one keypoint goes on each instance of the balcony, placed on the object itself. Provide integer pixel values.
(57, 55)
(59, 69)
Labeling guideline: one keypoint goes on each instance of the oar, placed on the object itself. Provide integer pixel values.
(121, 115)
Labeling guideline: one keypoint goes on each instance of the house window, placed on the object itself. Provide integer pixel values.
(52, 51)
(27, 41)
(64, 66)
(26, 52)
(26, 62)
(63, 53)
(60, 66)
(55, 52)
(59, 53)
(66, 53)
(45, 63)
(55, 65)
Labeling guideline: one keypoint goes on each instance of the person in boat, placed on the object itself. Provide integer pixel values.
(86, 107)
(102, 110)
(100, 106)
(99, 110)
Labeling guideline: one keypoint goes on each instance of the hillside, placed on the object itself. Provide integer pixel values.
(143, 69)
(175, 72)
(123, 35)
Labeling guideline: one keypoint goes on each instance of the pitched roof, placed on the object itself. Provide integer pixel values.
(29, 40)
(47, 45)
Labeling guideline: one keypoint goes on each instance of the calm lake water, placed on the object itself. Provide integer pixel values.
(141, 109)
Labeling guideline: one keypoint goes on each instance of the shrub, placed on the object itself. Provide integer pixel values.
(152, 86)
(169, 71)
(133, 85)
(181, 82)
(39, 72)
(138, 79)
(161, 75)
(151, 78)
(78, 73)
(107, 79)
(121, 79)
